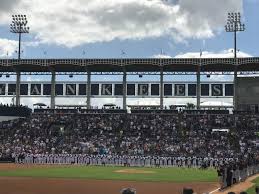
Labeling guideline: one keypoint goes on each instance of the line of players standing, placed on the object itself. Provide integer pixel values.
(115, 160)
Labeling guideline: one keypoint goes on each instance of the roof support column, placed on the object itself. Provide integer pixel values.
(124, 88)
(198, 87)
(161, 87)
(235, 100)
(53, 89)
(18, 83)
(88, 100)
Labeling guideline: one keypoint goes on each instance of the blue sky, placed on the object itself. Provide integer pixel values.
(141, 28)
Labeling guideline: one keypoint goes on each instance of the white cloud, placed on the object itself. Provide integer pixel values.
(7, 5)
(7, 47)
(162, 56)
(73, 23)
(206, 54)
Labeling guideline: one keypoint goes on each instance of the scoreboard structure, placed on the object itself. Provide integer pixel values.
(248, 93)
(124, 67)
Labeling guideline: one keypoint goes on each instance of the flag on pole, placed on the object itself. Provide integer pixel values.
(123, 52)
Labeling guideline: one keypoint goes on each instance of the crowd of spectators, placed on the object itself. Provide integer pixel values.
(132, 134)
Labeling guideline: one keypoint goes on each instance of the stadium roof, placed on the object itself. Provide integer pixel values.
(132, 65)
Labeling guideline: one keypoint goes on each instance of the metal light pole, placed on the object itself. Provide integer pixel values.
(161, 80)
(19, 26)
(198, 87)
(124, 82)
(234, 25)
(161, 85)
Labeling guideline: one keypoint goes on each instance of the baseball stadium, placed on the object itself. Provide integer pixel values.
(125, 125)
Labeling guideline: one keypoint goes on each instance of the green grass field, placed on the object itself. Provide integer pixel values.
(108, 173)
(252, 189)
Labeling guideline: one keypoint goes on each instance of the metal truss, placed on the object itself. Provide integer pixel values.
(249, 73)
(128, 62)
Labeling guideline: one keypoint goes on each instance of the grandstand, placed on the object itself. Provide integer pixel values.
(245, 66)
(69, 148)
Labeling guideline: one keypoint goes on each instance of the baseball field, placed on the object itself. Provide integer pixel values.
(42, 179)
(72, 179)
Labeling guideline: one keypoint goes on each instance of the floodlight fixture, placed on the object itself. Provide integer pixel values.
(19, 26)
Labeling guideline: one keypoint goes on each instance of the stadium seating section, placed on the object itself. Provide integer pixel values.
(179, 134)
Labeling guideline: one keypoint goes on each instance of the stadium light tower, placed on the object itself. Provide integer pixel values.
(19, 26)
(234, 25)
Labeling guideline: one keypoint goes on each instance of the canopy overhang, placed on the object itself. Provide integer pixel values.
(130, 65)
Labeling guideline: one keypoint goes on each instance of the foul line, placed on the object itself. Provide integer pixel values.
(214, 191)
